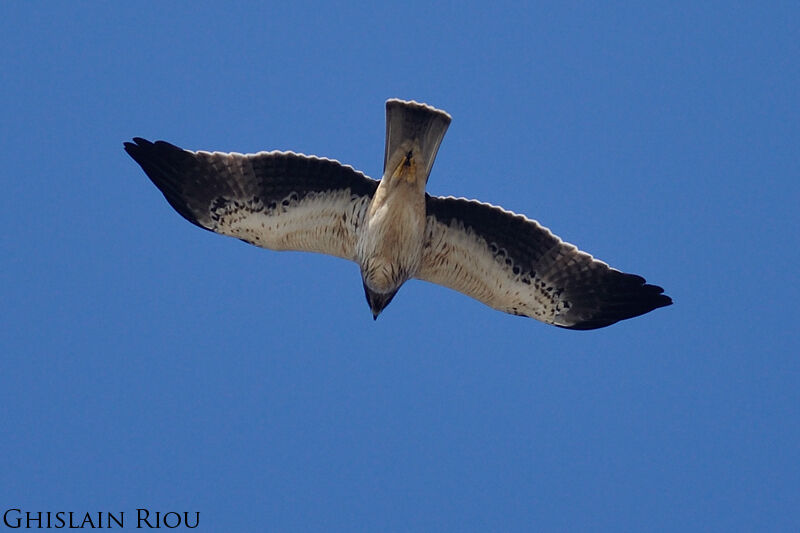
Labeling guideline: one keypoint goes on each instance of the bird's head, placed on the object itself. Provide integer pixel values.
(377, 300)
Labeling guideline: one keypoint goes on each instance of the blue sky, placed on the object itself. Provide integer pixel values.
(148, 364)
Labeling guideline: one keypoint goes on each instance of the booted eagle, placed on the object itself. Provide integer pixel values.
(392, 229)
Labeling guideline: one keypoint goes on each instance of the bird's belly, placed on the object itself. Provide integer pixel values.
(390, 249)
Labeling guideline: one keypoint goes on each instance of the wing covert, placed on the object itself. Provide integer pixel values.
(276, 200)
(513, 264)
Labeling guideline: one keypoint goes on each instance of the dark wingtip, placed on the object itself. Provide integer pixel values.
(164, 164)
(628, 296)
(663, 299)
(137, 143)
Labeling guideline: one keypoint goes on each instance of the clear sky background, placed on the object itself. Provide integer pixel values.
(147, 363)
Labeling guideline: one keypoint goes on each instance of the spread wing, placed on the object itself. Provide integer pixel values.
(513, 264)
(276, 200)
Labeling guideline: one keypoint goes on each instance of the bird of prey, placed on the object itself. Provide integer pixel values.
(392, 229)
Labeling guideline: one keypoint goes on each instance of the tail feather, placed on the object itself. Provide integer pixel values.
(415, 127)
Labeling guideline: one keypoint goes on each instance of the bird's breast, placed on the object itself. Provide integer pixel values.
(390, 247)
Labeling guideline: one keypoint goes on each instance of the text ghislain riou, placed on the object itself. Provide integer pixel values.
(145, 519)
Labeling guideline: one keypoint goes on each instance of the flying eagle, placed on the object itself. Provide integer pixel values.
(392, 228)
